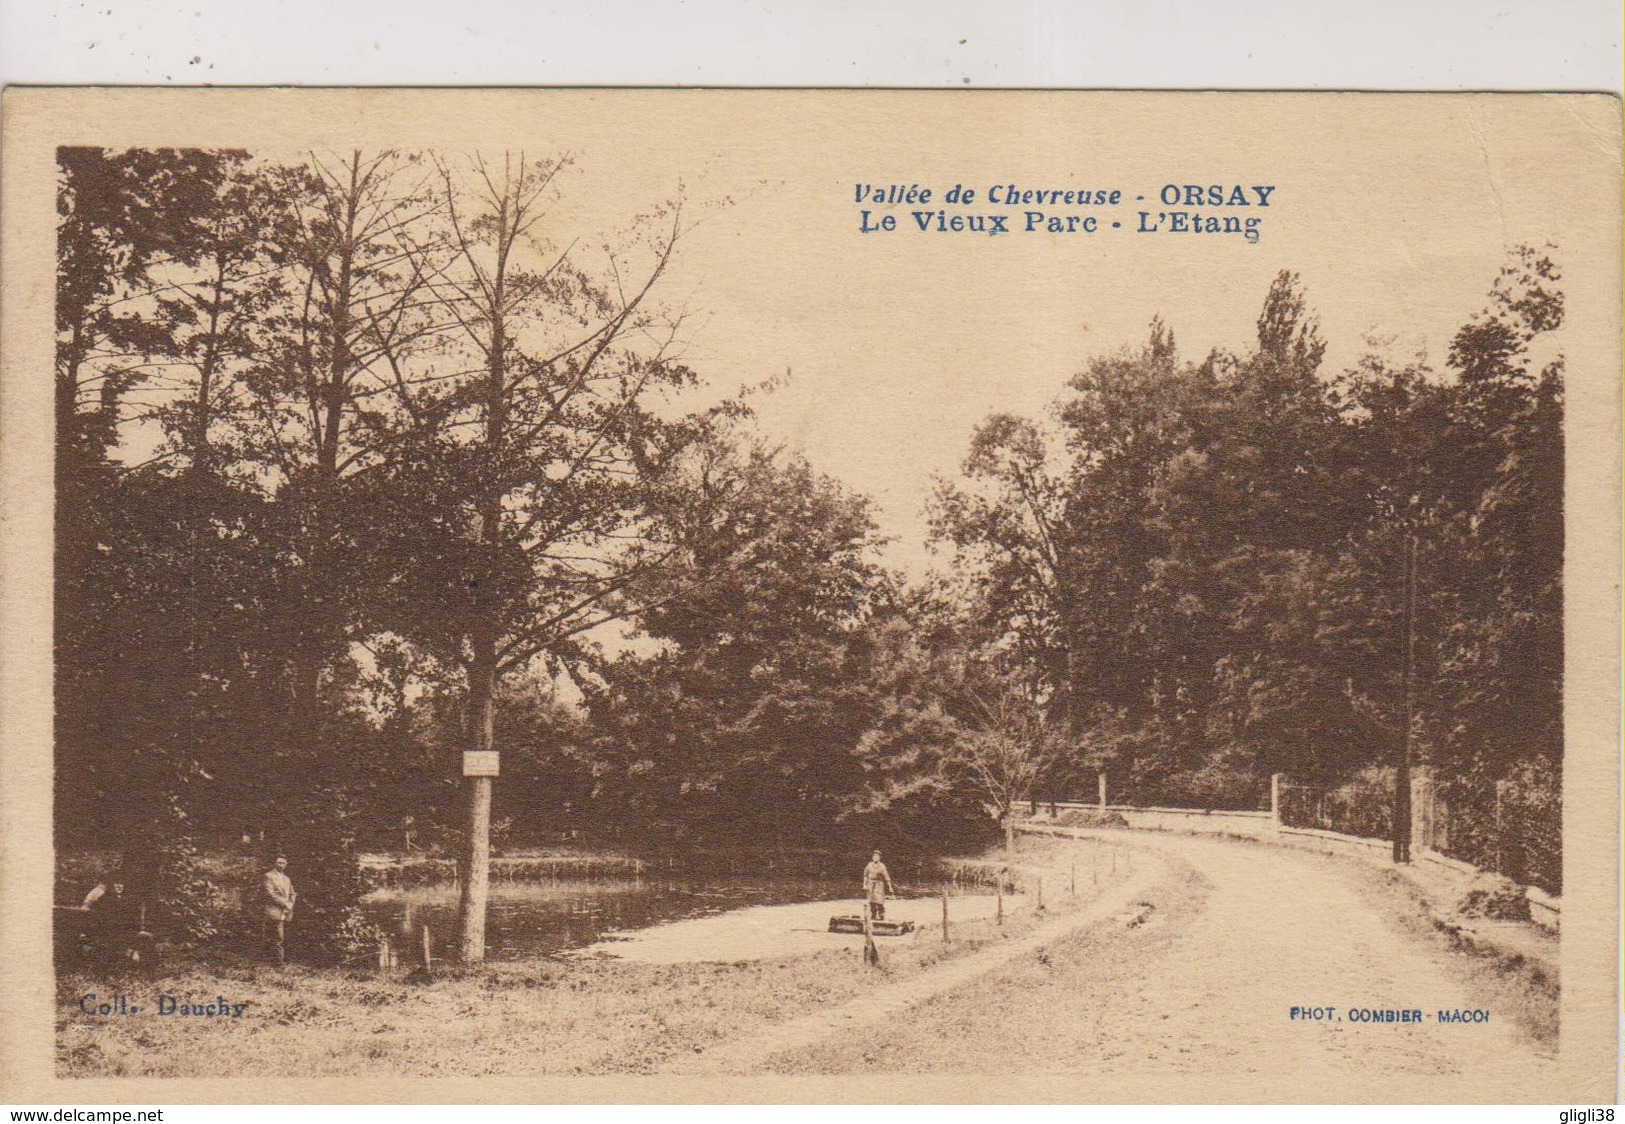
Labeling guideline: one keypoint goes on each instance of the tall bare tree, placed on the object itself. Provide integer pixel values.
(358, 307)
(525, 499)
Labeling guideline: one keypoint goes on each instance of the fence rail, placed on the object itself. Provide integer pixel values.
(1502, 827)
(1513, 828)
(1363, 808)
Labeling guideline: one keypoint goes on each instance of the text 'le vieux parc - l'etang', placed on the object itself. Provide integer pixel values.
(1184, 208)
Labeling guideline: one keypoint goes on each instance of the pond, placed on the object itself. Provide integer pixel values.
(528, 919)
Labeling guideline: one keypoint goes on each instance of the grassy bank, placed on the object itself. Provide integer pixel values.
(1528, 991)
(554, 1016)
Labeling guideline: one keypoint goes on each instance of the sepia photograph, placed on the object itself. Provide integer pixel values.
(944, 595)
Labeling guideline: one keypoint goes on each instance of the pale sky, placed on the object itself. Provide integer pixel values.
(1397, 214)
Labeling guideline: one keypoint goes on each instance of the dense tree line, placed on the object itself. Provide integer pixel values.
(1200, 563)
(364, 461)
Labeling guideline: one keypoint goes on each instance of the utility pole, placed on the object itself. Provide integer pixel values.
(1402, 774)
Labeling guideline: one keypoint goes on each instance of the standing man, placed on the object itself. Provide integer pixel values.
(279, 899)
(876, 885)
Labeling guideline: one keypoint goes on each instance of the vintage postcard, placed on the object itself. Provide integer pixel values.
(881, 596)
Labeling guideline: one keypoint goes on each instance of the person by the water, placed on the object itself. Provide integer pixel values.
(876, 885)
(112, 884)
(279, 899)
(113, 924)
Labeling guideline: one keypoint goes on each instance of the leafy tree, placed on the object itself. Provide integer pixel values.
(747, 711)
(959, 721)
(1208, 586)
(1500, 554)
(125, 219)
(1010, 523)
(122, 216)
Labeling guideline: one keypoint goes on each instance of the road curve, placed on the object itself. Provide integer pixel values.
(1241, 935)
(888, 1001)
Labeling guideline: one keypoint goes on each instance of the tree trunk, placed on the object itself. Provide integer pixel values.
(482, 670)
(477, 847)
(67, 400)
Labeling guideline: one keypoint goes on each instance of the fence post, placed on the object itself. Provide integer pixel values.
(1403, 817)
(1103, 789)
(1275, 800)
(871, 954)
(945, 917)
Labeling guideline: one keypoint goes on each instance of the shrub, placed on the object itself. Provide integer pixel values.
(1494, 896)
(1089, 817)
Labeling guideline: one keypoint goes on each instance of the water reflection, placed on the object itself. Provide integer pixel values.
(527, 919)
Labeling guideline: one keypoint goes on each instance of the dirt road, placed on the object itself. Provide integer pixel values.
(1122, 902)
(1239, 936)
